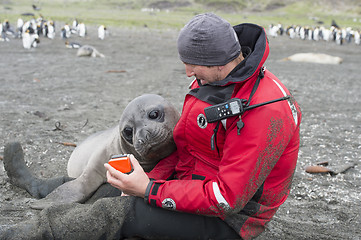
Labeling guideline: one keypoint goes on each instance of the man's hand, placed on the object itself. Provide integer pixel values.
(133, 184)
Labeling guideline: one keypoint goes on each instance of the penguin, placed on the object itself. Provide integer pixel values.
(3, 36)
(101, 32)
(310, 33)
(302, 33)
(327, 34)
(74, 28)
(82, 29)
(51, 29)
(357, 37)
(19, 27)
(39, 29)
(67, 31)
(30, 39)
(45, 29)
(338, 37)
(36, 8)
(7, 28)
(63, 33)
(25, 27)
(72, 44)
(280, 29)
(334, 24)
(273, 31)
(349, 34)
(33, 24)
(291, 32)
(298, 31)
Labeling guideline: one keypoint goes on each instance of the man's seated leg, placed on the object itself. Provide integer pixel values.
(101, 220)
(157, 223)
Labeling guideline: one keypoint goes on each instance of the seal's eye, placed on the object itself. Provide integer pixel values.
(154, 114)
(128, 134)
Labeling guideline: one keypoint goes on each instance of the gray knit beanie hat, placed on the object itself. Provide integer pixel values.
(208, 40)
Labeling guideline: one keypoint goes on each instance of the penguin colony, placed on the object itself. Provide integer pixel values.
(31, 30)
(335, 34)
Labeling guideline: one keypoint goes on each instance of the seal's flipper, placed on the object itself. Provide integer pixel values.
(65, 195)
(105, 190)
(68, 192)
(21, 176)
(77, 190)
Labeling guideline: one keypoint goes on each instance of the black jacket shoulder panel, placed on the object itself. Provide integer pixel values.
(254, 37)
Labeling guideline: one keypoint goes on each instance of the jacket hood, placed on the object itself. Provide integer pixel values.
(255, 49)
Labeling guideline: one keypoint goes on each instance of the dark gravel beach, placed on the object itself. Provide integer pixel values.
(48, 95)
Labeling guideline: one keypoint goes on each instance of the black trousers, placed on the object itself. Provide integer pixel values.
(117, 217)
(150, 222)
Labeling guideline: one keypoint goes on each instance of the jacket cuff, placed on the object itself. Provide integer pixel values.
(147, 191)
(151, 192)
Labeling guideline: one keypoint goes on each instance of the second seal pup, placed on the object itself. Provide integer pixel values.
(88, 51)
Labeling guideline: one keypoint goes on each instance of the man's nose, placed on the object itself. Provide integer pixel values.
(189, 71)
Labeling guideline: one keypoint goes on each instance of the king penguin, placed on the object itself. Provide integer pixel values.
(101, 32)
(30, 39)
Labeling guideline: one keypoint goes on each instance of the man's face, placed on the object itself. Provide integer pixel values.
(203, 73)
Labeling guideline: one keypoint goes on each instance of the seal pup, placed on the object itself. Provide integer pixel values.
(314, 58)
(88, 51)
(145, 130)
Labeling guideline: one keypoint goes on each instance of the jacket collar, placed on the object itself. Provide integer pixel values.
(255, 48)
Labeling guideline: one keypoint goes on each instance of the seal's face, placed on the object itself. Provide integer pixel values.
(146, 129)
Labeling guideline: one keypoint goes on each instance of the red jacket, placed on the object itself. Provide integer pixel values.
(248, 176)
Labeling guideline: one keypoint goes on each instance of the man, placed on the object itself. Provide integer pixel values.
(240, 170)
(230, 173)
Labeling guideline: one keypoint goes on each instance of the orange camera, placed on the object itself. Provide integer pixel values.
(121, 163)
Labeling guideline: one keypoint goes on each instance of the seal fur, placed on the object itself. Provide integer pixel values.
(144, 130)
(89, 51)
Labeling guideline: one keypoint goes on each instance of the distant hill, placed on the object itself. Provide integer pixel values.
(174, 13)
(312, 12)
(233, 6)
